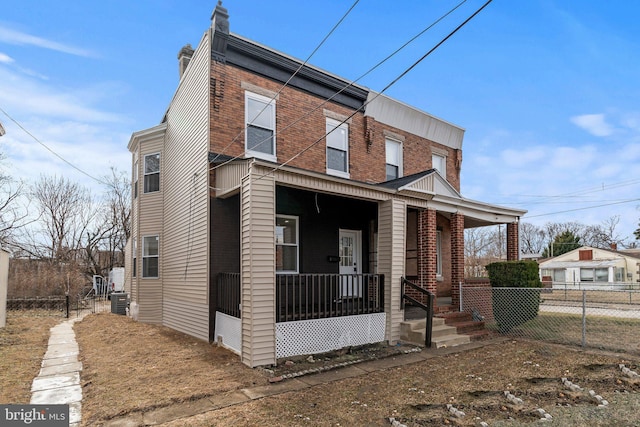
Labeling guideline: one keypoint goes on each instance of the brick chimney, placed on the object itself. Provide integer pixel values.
(184, 56)
(614, 246)
(220, 29)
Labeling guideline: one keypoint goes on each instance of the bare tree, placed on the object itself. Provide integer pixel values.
(66, 212)
(105, 242)
(532, 238)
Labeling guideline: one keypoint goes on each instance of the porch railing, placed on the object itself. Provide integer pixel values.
(428, 307)
(310, 296)
(228, 294)
(320, 296)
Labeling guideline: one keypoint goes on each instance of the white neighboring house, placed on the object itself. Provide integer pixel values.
(592, 267)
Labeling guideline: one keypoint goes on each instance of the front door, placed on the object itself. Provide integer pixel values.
(350, 250)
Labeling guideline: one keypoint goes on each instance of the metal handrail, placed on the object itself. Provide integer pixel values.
(428, 308)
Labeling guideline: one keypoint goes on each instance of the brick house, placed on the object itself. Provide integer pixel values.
(276, 222)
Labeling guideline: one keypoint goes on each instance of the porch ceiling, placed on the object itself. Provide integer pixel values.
(423, 190)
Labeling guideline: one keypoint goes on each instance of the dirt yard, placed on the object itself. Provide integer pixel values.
(132, 367)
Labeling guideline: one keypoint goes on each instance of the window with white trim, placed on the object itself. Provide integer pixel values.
(286, 244)
(394, 159)
(594, 274)
(135, 177)
(134, 260)
(152, 173)
(260, 121)
(337, 148)
(439, 163)
(150, 256)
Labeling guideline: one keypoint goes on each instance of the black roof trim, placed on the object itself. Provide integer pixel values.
(218, 158)
(400, 182)
(271, 64)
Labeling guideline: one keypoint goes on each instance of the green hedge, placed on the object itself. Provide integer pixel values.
(513, 307)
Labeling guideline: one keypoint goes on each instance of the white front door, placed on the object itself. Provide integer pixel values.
(350, 244)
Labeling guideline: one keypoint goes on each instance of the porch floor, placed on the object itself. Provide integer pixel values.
(412, 312)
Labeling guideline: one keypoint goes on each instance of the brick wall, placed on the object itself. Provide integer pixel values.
(513, 250)
(295, 133)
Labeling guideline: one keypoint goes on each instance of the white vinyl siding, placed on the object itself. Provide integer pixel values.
(337, 148)
(257, 210)
(185, 238)
(391, 260)
(260, 122)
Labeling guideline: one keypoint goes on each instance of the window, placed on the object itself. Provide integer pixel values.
(150, 257)
(260, 117)
(559, 275)
(152, 173)
(619, 273)
(134, 263)
(286, 244)
(594, 274)
(337, 148)
(135, 177)
(394, 159)
(439, 163)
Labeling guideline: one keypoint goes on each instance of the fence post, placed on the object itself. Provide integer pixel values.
(584, 318)
(66, 297)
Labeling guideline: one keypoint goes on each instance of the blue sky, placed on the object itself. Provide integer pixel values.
(547, 90)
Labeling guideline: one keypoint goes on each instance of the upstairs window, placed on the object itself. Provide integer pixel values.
(135, 178)
(394, 159)
(152, 173)
(439, 163)
(260, 118)
(337, 148)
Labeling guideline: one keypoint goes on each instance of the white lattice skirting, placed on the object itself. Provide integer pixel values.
(322, 335)
(229, 332)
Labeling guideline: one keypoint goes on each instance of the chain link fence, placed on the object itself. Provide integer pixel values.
(40, 306)
(604, 319)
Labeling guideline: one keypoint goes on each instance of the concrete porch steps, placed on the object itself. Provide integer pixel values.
(442, 335)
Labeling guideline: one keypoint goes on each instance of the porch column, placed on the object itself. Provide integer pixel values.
(513, 242)
(392, 223)
(457, 257)
(257, 267)
(427, 250)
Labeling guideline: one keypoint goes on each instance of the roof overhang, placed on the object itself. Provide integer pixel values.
(426, 190)
(146, 135)
(581, 264)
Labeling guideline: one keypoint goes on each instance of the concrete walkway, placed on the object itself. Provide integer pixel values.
(59, 379)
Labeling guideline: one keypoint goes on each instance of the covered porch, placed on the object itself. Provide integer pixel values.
(303, 263)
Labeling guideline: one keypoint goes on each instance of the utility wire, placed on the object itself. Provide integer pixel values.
(51, 151)
(394, 81)
(289, 80)
(584, 208)
(350, 84)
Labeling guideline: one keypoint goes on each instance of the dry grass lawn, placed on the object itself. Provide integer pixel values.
(133, 367)
(23, 343)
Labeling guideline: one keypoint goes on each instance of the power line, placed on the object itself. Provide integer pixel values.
(585, 208)
(394, 81)
(51, 151)
(289, 80)
(350, 84)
